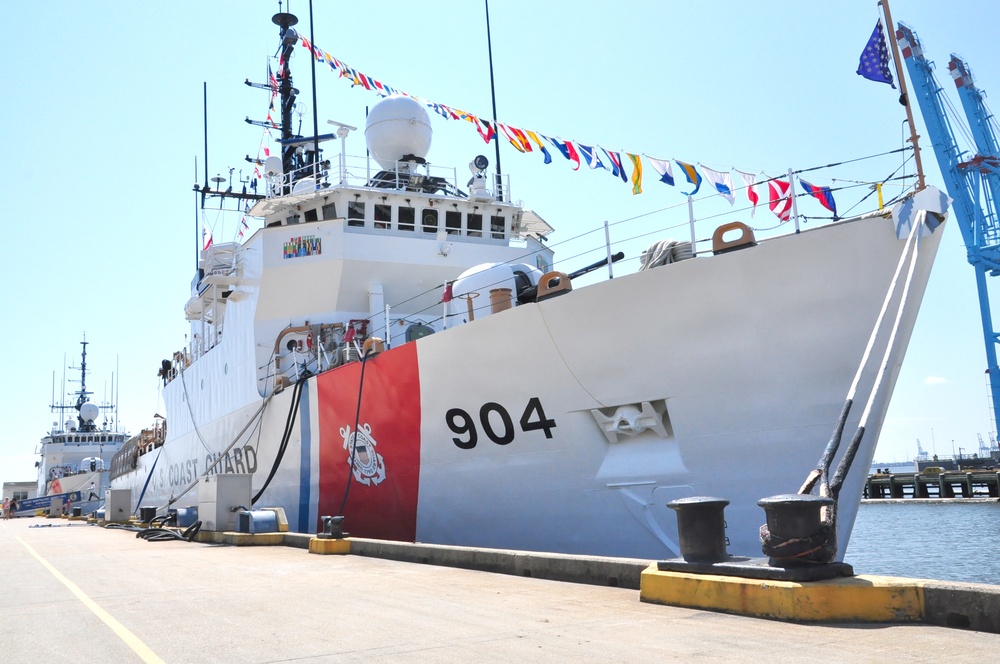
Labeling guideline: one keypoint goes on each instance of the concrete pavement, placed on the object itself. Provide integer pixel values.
(79, 592)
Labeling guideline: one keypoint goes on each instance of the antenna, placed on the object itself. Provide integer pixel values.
(197, 219)
(62, 399)
(493, 95)
(312, 59)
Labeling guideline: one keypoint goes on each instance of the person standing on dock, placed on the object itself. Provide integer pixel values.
(12, 510)
(6, 508)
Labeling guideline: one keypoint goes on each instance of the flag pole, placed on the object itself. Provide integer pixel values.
(904, 98)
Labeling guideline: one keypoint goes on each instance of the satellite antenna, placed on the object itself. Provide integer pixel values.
(272, 166)
(218, 180)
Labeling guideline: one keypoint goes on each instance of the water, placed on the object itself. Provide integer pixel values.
(952, 541)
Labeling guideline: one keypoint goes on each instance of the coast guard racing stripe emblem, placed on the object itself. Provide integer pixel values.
(382, 483)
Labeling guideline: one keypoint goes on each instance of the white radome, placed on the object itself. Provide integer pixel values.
(397, 126)
(89, 412)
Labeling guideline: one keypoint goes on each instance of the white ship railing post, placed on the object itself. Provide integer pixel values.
(607, 245)
(388, 330)
(694, 242)
(791, 192)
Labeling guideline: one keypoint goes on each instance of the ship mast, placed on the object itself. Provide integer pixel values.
(81, 394)
(289, 37)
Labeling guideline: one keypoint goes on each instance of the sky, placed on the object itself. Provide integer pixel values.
(104, 140)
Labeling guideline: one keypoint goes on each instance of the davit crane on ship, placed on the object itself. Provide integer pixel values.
(973, 181)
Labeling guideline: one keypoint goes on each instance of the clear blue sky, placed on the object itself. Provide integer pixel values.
(103, 122)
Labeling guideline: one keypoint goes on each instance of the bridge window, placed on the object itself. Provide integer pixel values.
(406, 218)
(453, 221)
(497, 227)
(330, 211)
(355, 213)
(430, 221)
(475, 225)
(383, 216)
(311, 215)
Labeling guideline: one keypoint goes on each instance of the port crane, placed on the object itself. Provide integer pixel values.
(972, 180)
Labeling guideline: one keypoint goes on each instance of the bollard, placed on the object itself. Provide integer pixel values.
(795, 534)
(701, 528)
(333, 528)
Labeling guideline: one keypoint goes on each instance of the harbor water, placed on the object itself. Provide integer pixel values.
(948, 541)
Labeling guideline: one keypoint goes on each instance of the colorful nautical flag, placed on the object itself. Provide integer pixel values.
(636, 173)
(823, 194)
(781, 198)
(874, 62)
(663, 168)
(271, 80)
(206, 237)
(511, 137)
(485, 130)
(616, 165)
(722, 181)
(590, 155)
(439, 110)
(573, 156)
(750, 179)
(692, 176)
(557, 144)
(566, 149)
(541, 146)
(447, 296)
(522, 139)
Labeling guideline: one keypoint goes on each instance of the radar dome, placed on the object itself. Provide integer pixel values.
(89, 412)
(396, 127)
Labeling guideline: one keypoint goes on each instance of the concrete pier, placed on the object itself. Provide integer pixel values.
(70, 590)
(982, 483)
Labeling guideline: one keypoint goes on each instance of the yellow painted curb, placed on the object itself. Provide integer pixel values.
(326, 546)
(252, 539)
(854, 599)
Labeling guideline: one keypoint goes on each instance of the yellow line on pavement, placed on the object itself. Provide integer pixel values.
(130, 639)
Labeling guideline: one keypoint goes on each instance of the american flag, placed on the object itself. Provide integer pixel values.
(874, 63)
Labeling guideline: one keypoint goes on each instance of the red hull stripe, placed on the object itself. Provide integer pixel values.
(382, 498)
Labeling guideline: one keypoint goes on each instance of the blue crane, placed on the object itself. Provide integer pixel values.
(973, 182)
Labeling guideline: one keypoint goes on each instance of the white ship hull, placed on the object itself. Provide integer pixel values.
(717, 376)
